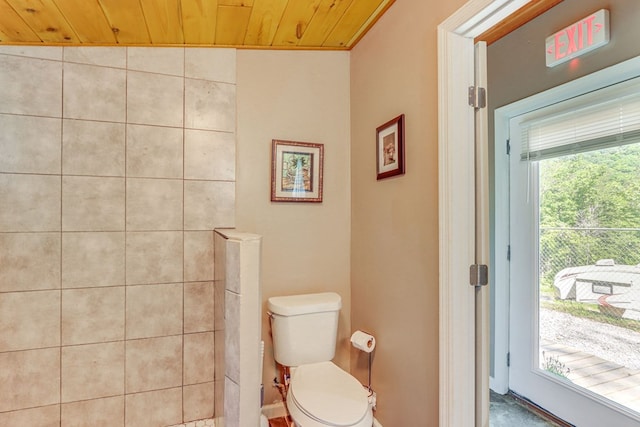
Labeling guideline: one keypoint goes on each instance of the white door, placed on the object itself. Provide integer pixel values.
(572, 320)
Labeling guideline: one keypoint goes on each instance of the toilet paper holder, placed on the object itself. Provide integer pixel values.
(365, 342)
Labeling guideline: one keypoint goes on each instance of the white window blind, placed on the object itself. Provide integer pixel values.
(601, 119)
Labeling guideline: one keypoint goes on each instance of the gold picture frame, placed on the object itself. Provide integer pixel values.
(296, 171)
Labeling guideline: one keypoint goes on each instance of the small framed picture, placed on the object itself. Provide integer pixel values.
(296, 171)
(390, 148)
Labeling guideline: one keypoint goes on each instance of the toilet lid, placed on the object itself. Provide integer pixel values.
(329, 394)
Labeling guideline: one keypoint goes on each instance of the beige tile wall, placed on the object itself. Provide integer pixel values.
(237, 335)
(115, 166)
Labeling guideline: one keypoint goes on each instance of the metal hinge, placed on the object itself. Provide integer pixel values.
(508, 359)
(477, 97)
(508, 147)
(509, 253)
(478, 275)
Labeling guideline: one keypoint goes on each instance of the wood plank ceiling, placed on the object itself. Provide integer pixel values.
(273, 24)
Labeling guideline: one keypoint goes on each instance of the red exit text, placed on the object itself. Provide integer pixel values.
(578, 38)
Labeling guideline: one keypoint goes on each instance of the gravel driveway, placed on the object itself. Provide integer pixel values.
(613, 343)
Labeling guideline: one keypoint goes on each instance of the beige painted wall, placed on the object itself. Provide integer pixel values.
(298, 96)
(394, 267)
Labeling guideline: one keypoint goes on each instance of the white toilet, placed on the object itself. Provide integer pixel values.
(304, 329)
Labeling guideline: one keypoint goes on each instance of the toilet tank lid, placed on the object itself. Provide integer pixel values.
(293, 305)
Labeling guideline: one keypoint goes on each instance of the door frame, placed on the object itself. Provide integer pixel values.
(456, 199)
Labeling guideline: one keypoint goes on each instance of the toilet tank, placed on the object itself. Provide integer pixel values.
(304, 327)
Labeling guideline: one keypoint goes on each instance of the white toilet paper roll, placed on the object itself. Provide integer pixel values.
(363, 341)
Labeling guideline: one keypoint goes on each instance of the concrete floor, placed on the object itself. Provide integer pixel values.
(504, 411)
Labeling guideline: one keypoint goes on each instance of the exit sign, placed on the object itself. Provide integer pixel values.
(577, 39)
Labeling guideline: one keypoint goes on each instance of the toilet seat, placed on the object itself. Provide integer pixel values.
(329, 395)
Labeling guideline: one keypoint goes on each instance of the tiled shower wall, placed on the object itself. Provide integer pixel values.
(239, 296)
(115, 166)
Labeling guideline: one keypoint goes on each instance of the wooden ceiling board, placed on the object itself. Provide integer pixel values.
(199, 21)
(359, 12)
(263, 23)
(268, 24)
(88, 20)
(164, 21)
(232, 25)
(245, 3)
(13, 27)
(295, 20)
(45, 19)
(323, 22)
(127, 21)
(366, 26)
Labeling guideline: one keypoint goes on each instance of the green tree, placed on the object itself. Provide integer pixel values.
(589, 191)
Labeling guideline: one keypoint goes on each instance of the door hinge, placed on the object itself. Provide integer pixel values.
(477, 97)
(478, 275)
(509, 253)
(508, 359)
(508, 147)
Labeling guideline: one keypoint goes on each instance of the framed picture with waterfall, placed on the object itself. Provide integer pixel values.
(296, 171)
(390, 148)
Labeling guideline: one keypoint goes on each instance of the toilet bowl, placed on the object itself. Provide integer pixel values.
(321, 394)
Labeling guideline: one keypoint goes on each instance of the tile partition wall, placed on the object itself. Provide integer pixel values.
(239, 297)
(116, 164)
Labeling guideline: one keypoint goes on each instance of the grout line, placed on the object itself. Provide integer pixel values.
(30, 174)
(61, 221)
(75, 175)
(126, 137)
(184, 89)
(155, 125)
(32, 232)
